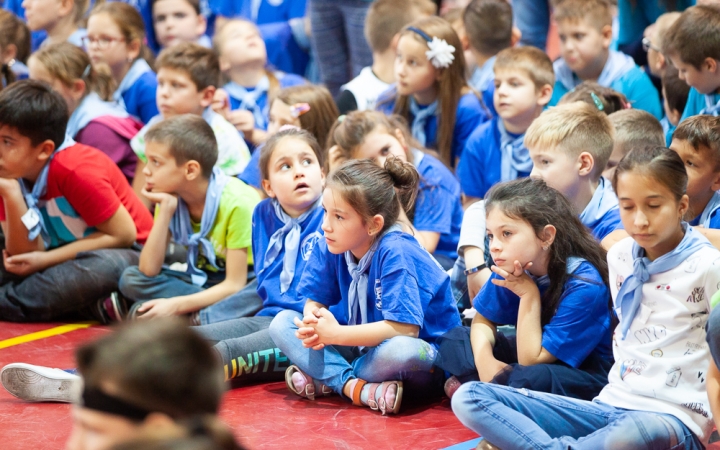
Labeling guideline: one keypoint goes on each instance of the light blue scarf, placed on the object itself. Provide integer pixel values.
(630, 295)
(421, 116)
(249, 99)
(357, 294)
(712, 105)
(289, 235)
(33, 196)
(90, 108)
(515, 157)
(712, 206)
(603, 201)
(482, 75)
(139, 68)
(573, 262)
(181, 227)
(617, 65)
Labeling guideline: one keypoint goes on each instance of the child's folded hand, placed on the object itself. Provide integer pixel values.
(326, 329)
(26, 263)
(519, 282)
(161, 198)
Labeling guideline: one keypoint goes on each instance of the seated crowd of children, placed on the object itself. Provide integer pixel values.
(479, 218)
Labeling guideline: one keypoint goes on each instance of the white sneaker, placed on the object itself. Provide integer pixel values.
(39, 384)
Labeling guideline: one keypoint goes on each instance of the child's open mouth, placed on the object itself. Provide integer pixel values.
(301, 186)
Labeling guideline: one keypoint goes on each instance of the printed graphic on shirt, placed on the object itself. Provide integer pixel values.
(308, 244)
(662, 287)
(691, 265)
(697, 295)
(701, 376)
(378, 295)
(699, 319)
(692, 347)
(696, 408)
(673, 377)
(631, 366)
(650, 334)
(619, 281)
(657, 353)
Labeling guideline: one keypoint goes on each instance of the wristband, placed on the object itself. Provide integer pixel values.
(475, 269)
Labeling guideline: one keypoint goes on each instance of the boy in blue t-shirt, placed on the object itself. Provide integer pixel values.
(570, 146)
(585, 28)
(495, 151)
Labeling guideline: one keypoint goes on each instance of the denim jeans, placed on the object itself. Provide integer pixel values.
(66, 291)
(399, 358)
(518, 418)
(459, 285)
(532, 17)
(139, 288)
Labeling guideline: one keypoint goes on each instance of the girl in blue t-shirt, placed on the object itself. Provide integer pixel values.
(286, 231)
(388, 299)
(116, 36)
(431, 91)
(438, 213)
(244, 100)
(550, 281)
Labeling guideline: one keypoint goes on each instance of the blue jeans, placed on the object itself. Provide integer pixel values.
(459, 285)
(532, 17)
(518, 418)
(139, 288)
(399, 358)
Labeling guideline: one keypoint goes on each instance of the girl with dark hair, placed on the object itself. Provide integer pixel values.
(662, 279)
(388, 299)
(550, 281)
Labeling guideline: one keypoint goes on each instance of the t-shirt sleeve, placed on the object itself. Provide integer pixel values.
(147, 104)
(251, 174)
(106, 140)
(90, 192)
(138, 144)
(470, 168)
(401, 297)
(346, 102)
(640, 91)
(434, 210)
(468, 118)
(319, 280)
(496, 303)
(472, 233)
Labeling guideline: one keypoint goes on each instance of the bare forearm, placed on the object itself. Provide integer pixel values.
(373, 334)
(482, 340)
(153, 253)
(95, 241)
(529, 330)
(210, 296)
(16, 237)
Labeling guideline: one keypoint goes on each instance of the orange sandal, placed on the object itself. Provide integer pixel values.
(377, 403)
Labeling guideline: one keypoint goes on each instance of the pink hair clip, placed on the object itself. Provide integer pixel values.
(298, 109)
(288, 127)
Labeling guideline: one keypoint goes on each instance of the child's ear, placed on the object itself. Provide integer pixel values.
(587, 164)
(661, 61)
(683, 205)
(546, 93)
(548, 235)
(716, 181)
(268, 189)
(464, 39)
(78, 88)
(66, 7)
(674, 116)
(394, 41)
(710, 64)
(47, 147)
(375, 225)
(515, 36)
(192, 170)
(401, 139)
(201, 25)
(207, 95)
(606, 33)
(134, 49)
(9, 53)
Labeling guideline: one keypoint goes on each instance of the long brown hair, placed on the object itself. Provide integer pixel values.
(131, 25)
(450, 86)
(323, 110)
(13, 31)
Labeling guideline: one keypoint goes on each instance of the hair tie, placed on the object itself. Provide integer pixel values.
(440, 53)
(289, 127)
(627, 105)
(298, 109)
(341, 118)
(86, 72)
(596, 100)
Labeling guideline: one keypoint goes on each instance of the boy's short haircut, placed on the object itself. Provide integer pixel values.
(35, 110)
(662, 25)
(676, 91)
(194, 3)
(532, 61)
(385, 19)
(200, 63)
(694, 36)
(159, 366)
(574, 128)
(596, 13)
(488, 25)
(703, 134)
(296, 133)
(635, 128)
(188, 137)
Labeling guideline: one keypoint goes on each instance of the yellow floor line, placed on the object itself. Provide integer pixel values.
(43, 334)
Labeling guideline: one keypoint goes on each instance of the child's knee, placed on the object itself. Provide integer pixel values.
(282, 324)
(129, 281)
(405, 349)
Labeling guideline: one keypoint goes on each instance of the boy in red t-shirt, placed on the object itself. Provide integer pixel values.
(68, 214)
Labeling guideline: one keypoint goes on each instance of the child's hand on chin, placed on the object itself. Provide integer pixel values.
(8, 185)
(519, 282)
(161, 198)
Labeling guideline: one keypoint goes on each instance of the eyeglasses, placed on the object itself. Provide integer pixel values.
(647, 45)
(102, 42)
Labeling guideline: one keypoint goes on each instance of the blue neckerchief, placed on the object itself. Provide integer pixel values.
(289, 236)
(33, 196)
(417, 157)
(630, 295)
(712, 206)
(248, 99)
(482, 75)
(515, 157)
(181, 227)
(602, 201)
(139, 68)
(357, 293)
(76, 38)
(204, 41)
(90, 108)
(420, 118)
(617, 65)
(572, 263)
(712, 105)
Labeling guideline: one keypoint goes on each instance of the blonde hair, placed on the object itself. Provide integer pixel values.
(323, 110)
(597, 13)
(574, 128)
(530, 60)
(68, 63)
(662, 25)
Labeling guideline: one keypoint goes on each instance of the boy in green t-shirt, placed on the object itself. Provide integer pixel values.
(200, 208)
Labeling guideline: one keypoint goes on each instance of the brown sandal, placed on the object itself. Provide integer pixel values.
(309, 389)
(377, 403)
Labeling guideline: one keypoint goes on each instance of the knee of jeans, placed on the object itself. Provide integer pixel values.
(405, 349)
(282, 325)
(129, 281)
(640, 429)
(463, 400)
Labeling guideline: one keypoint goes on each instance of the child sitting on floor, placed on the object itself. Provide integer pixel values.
(61, 20)
(179, 21)
(634, 128)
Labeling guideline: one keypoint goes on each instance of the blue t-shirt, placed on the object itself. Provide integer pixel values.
(140, 99)
(251, 174)
(264, 224)
(696, 103)
(480, 167)
(405, 284)
(284, 79)
(438, 207)
(581, 324)
(712, 209)
(602, 213)
(470, 114)
(635, 18)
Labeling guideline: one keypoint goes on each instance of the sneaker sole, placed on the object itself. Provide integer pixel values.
(30, 386)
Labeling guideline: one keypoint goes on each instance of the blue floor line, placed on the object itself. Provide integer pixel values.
(469, 445)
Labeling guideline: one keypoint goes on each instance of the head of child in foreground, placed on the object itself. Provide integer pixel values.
(47, 14)
(585, 29)
(697, 141)
(603, 98)
(524, 80)
(569, 144)
(531, 224)
(693, 46)
(177, 21)
(187, 76)
(306, 106)
(33, 118)
(650, 184)
(116, 35)
(238, 44)
(363, 200)
(143, 376)
(633, 128)
(291, 167)
(179, 150)
(370, 135)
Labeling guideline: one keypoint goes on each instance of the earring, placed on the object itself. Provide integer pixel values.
(545, 247)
